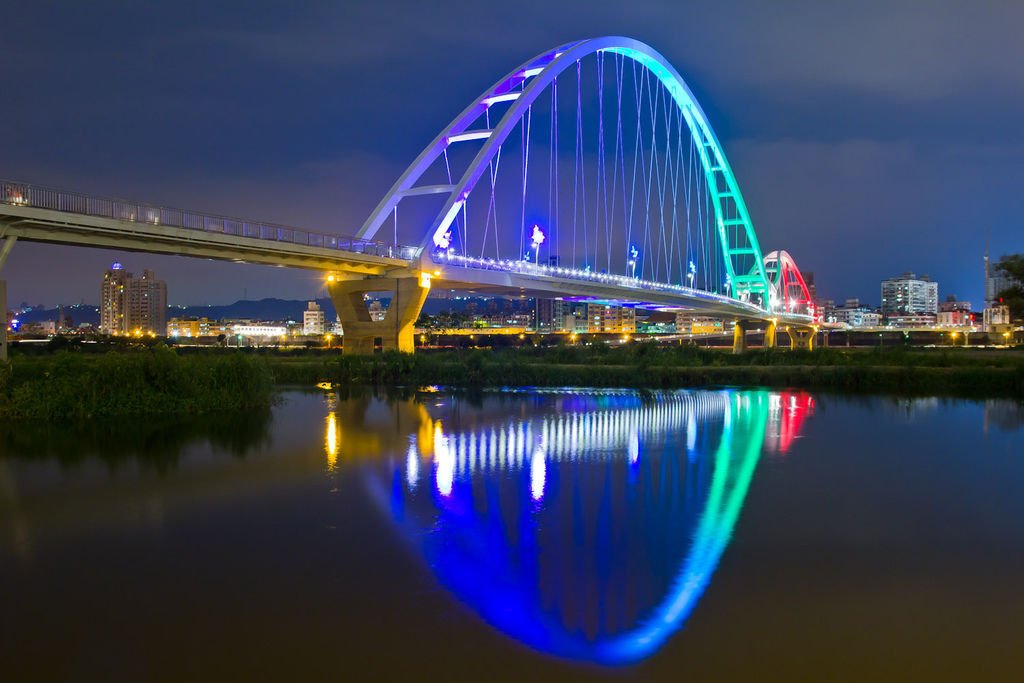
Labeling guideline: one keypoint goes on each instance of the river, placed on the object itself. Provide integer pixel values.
(537, 535)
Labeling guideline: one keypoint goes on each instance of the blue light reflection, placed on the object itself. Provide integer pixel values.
(584, 525)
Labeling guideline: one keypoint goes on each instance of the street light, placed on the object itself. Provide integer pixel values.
(537, 238)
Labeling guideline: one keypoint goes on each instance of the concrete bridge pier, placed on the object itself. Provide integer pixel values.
(3, 320)
(771, 329)
(739, 336)
(395, 331)
(5, 250)
(801, 337)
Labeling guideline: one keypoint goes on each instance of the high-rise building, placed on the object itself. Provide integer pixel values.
(995, 284)
(112, 299)
(130, 305)
(550, 315)
(313, 321)
(909, 294)
(147, 304)
(812, 289)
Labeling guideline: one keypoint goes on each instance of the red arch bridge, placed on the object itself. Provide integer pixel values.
(589, 173)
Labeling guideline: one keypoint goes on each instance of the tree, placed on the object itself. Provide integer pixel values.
(1012, 266)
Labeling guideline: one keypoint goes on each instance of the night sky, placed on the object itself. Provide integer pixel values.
(868, 138)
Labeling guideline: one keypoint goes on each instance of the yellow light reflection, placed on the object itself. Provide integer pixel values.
(331, 440)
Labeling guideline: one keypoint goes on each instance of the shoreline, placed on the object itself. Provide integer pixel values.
(159, 381)
(995, 376)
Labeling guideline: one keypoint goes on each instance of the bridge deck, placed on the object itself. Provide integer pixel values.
(38, 214)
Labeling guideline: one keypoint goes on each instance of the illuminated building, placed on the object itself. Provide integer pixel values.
(249, 329)
(131, 305)
(910, 295)
(996, 318)
(854, 314)
(550, 315)
(688, 324)
(610, 319)
(112, 296)
(313, 322)
(911, 320)
(193, 328)
(954, 318)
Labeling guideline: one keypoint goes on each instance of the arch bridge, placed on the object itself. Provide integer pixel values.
(588, 173)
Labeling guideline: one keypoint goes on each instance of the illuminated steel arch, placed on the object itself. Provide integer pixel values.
(519, 89)
(789, 292)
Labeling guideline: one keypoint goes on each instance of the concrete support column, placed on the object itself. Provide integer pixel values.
(739, 337)
(3, 320)
(801, 337)
(770, 334)
(5, 250)
(396, 330)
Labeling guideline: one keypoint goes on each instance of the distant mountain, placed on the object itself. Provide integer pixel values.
(77, 313)
(263, 309)
(284, 309)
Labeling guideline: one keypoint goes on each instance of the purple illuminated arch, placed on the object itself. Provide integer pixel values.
(520, 88)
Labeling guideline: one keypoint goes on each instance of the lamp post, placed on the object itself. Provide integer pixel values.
(537, 238)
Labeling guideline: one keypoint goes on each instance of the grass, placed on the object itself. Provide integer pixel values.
(158, 381)
(154, 381)
(948, 372)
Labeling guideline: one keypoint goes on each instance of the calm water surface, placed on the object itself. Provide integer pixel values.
(534, 535)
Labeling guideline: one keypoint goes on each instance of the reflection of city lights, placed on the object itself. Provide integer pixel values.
(444, 462)
(331, 440)
(538, 473)
(634, 447)
(412, 467)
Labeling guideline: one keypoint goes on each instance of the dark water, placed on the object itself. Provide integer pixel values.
(549, 535)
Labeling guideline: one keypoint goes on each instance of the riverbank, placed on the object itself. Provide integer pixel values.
(160, 381)
(979, 374)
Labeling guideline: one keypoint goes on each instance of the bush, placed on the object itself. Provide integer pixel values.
(144, 382)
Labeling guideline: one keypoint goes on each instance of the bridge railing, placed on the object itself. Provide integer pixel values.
(622, 281)
(24, 194)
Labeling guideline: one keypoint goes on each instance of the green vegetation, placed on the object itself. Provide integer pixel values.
(157, 381)
(153, 381)
(949, 371)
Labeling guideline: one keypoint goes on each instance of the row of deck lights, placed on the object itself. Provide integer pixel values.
(538, 238)
(526, 266)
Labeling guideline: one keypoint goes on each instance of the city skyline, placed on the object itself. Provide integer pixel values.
(863, 176)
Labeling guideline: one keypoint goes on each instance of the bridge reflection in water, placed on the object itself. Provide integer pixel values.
(586, 525)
